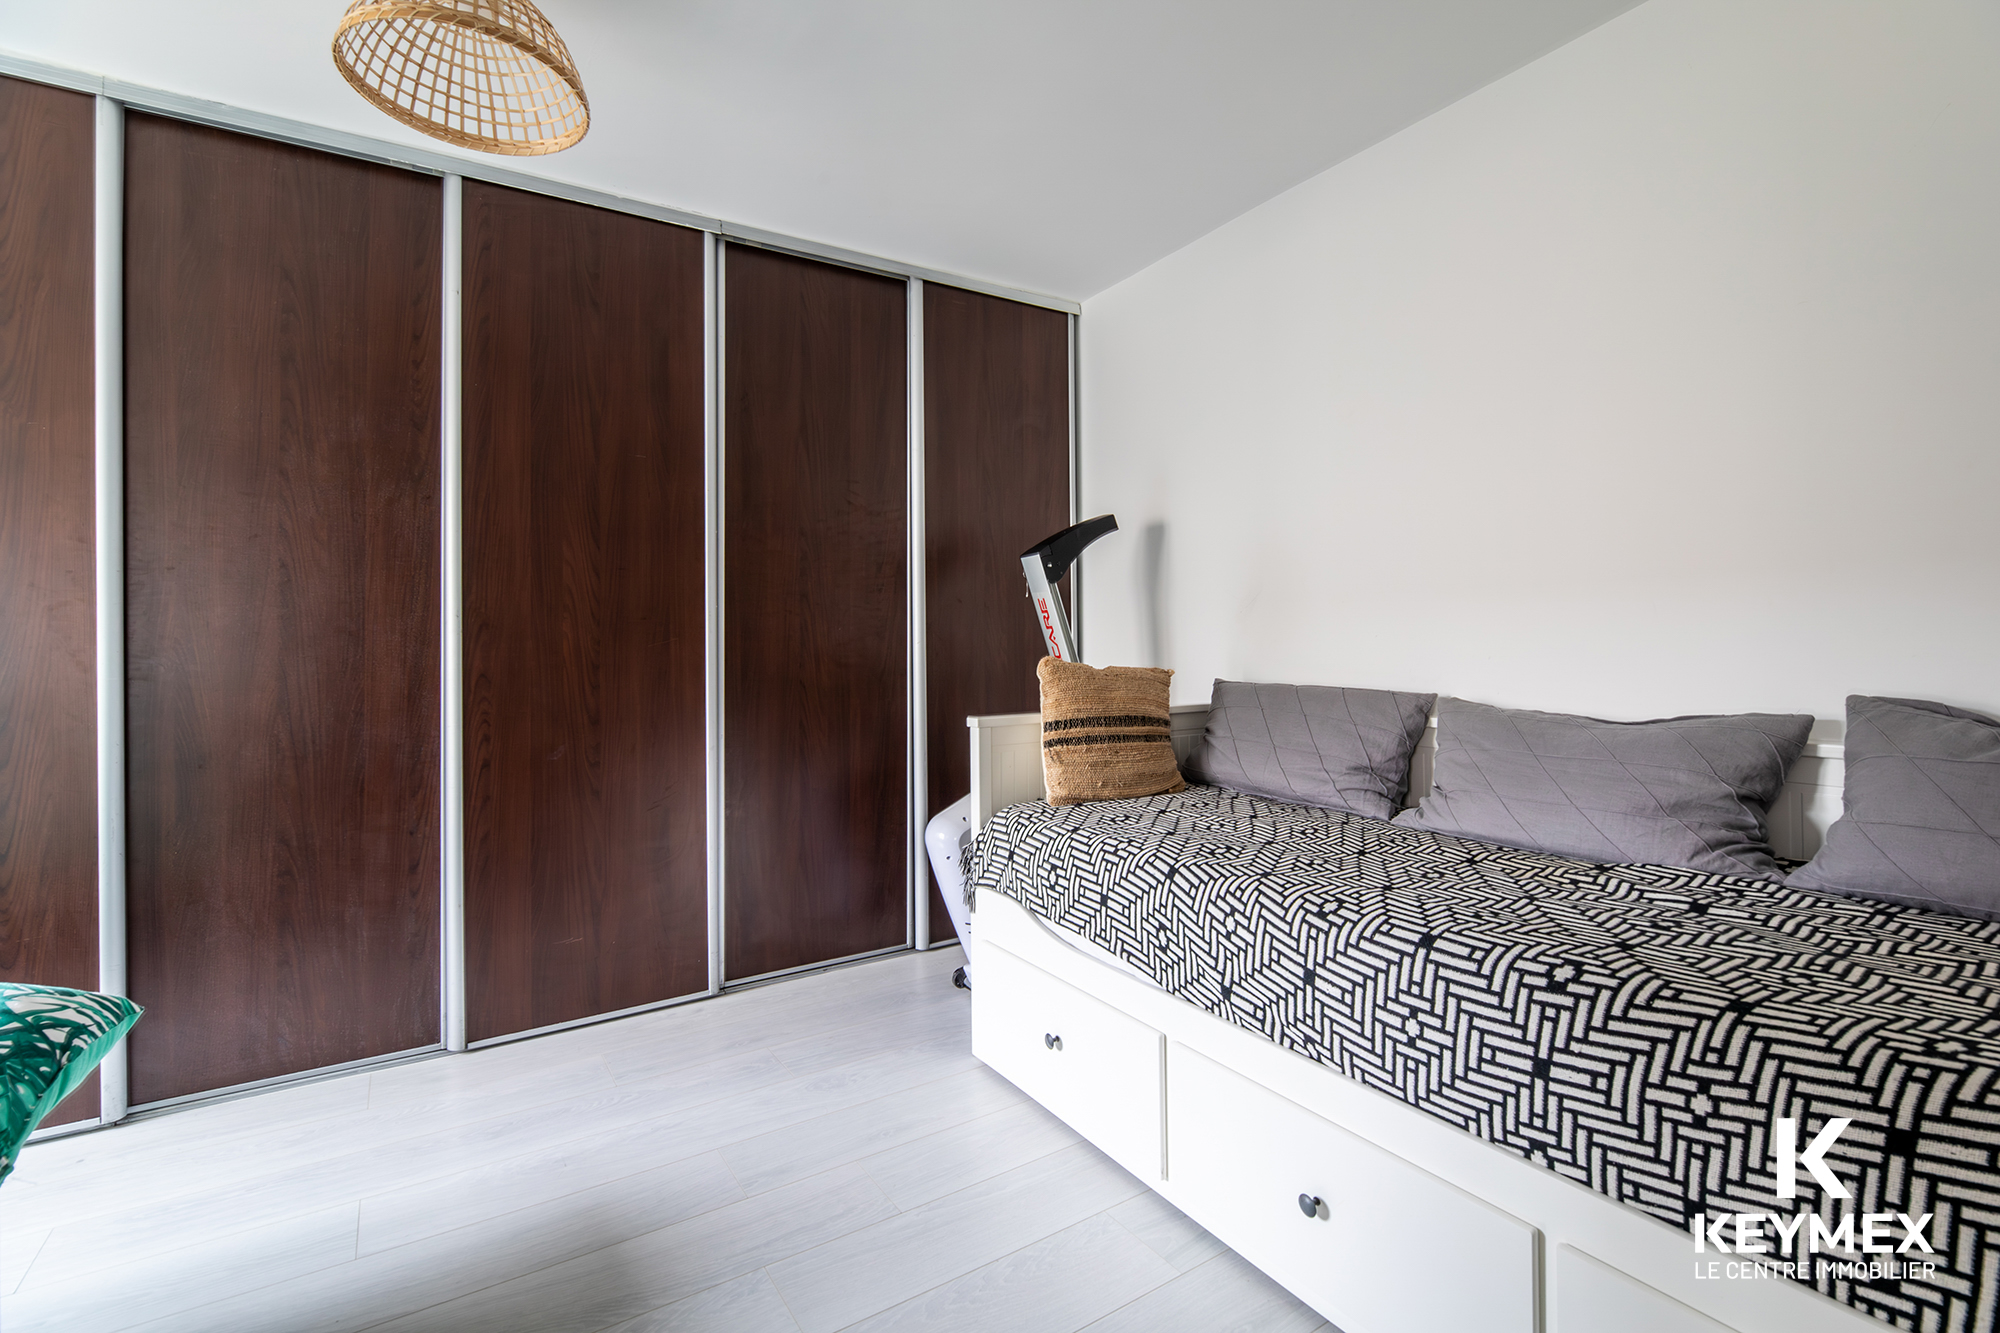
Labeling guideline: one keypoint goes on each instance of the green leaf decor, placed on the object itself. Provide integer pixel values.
(51, 1037)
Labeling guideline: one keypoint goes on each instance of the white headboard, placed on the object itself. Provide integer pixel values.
(1007, 769)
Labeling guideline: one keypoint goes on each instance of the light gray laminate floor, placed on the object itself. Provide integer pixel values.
(815, 1155)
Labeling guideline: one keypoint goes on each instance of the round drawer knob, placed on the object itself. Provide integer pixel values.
(1052, 1041)
(1309, 1205)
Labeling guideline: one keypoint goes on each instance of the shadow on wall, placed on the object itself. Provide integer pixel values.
(1152, 574)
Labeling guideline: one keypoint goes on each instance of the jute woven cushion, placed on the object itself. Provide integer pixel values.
(1105, 732)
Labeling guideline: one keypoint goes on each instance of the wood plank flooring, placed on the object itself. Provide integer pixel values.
(813, 1156)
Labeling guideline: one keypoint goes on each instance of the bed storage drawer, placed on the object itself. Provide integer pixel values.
(1390, 1248)
(1096, 1068)
(1592, 1297)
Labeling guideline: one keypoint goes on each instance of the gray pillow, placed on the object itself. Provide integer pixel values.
(1921, 809)
(1312, 744)
(1679, 791)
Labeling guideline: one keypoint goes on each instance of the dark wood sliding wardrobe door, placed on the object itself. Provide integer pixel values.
(996, 481)
(282, 330)
(815, 608)
(48, 729)
(585, 750)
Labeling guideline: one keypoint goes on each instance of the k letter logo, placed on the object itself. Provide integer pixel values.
(1785, 1148)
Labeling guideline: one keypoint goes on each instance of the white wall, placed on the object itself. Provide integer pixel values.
(1662, 376)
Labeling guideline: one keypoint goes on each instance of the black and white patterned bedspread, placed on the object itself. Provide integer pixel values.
(1633, 1028)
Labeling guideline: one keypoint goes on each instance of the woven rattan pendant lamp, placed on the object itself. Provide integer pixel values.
(485, 74)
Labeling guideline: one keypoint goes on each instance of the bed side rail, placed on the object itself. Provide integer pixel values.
(1007, 756)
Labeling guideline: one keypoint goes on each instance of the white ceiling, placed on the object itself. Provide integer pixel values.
(1056, 145)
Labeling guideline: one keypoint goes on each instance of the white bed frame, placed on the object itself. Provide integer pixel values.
(1415, 1225)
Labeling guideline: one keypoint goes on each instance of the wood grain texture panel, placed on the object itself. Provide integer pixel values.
(282, 328)
(815, 612)
(48, 656)
(996, 481)
(586, 807)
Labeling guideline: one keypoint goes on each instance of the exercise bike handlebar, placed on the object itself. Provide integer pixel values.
(1044, 564)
